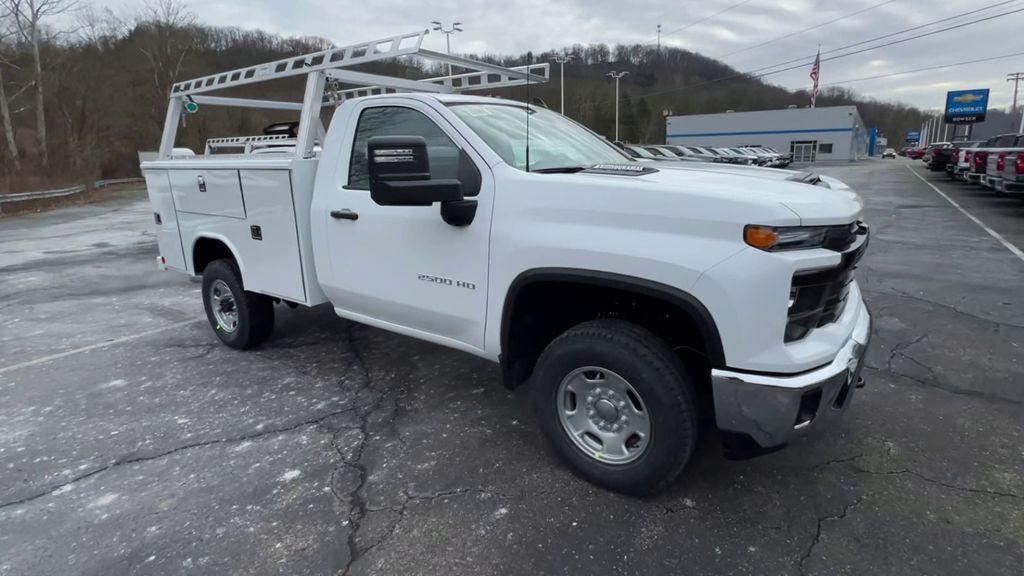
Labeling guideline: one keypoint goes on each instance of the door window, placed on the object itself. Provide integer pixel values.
(401, 121)
(803, 151)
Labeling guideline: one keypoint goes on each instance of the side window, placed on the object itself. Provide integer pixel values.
(400, 121)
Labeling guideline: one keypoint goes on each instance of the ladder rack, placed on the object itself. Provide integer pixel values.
(328, 77)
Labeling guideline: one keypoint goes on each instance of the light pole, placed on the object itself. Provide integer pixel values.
(616, 76)
(448, 37)
(562, 59)
(659, 38)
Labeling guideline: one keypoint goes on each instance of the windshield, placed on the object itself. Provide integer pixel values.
(555, 141)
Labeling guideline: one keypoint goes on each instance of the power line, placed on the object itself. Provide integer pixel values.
(904, 31)
(754, 73)
(808, 29)
(894, 42)
(925, 69)
(706, 18)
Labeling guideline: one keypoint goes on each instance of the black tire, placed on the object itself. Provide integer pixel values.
(255, 311)
(657, 375)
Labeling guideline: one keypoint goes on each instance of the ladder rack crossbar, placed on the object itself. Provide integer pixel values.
(467, 82)
(392, 47)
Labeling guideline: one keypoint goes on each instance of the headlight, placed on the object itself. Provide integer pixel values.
(776, 239)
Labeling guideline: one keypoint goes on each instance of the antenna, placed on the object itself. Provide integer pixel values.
(529, 64)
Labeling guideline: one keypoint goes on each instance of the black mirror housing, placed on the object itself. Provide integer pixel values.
(399, 170)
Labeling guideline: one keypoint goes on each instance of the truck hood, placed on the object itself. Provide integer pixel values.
(816, 200)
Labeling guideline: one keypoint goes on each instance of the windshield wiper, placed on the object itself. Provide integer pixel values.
(561, 170)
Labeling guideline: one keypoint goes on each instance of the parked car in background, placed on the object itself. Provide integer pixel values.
(734, 156)
(889, 153)
(673, 154)
(915, 153)
(784, 157)
(695, 152)
(652, 154)
(960, 159)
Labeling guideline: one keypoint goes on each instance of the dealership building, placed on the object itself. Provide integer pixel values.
(809, 134)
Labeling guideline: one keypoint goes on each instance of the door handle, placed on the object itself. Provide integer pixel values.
(345, 214)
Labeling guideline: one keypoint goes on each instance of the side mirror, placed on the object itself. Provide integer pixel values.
(399, 170)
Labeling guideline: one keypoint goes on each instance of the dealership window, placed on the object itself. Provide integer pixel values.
(824, 148)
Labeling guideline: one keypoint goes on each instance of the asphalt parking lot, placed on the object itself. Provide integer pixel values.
(133, 442)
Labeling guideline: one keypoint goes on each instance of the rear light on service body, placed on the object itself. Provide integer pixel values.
(1001, 162)
(967, 156)
(1019, 165)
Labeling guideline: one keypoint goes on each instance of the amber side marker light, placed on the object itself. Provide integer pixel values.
(761, 237)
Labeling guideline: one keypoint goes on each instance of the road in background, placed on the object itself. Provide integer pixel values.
(339, 448)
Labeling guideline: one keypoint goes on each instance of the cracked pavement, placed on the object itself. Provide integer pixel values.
(342, 449)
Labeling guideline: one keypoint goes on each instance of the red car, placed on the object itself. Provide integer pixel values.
(915, 153)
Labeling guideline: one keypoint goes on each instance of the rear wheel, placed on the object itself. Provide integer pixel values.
(617, 405)
(241, 319)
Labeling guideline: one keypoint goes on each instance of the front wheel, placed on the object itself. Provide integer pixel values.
(617, 405)
(241, 319)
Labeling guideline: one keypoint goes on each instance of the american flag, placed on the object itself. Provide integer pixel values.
(815, 70)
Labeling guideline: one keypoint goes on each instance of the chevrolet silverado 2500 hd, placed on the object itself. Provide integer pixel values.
(629, 297)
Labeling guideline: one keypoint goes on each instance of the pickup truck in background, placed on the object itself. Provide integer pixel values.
(996, 163)
(979, 158)
(960, 159)
(936, 155)
(630, 298)
(1012, 181)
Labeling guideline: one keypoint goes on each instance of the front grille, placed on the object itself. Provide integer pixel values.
(819, 298)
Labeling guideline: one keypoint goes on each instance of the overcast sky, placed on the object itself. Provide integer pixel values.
(516, 26)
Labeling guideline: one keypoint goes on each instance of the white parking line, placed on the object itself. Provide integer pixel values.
(116, 341)
(1009, 245)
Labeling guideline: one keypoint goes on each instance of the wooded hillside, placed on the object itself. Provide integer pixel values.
(79, 103)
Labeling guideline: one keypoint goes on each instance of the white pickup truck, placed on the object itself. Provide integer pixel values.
(632, 298)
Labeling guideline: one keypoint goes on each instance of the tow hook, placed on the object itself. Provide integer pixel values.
(860, 382)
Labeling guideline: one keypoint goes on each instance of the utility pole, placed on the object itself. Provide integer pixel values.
(616, 76)
(448, 37)
(562, 59)
(659, 38)
(1016, 78)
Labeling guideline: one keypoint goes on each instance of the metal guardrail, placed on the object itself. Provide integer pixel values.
(116, 181)
(61, 192)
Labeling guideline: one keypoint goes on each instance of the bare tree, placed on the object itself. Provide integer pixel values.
(168, 45)
(29, 17)
(5, 110)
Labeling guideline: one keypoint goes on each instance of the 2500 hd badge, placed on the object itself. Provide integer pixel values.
(446, 281)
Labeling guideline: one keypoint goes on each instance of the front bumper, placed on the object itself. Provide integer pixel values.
(772, 409)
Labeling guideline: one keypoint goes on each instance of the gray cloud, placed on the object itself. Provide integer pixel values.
(520, 25)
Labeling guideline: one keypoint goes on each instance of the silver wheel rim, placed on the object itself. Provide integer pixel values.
(222, 303)
(603, 415)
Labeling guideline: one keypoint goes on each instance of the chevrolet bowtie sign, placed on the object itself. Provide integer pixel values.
(966, 106)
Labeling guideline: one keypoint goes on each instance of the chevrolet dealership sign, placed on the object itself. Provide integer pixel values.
(966, 106)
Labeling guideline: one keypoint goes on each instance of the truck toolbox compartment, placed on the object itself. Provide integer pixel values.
(270, 245)
(209, 192)
(168, 236)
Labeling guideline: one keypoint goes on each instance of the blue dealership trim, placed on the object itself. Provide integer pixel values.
(759, 132)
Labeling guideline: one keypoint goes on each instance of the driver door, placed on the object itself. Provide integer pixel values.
(403, 267)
